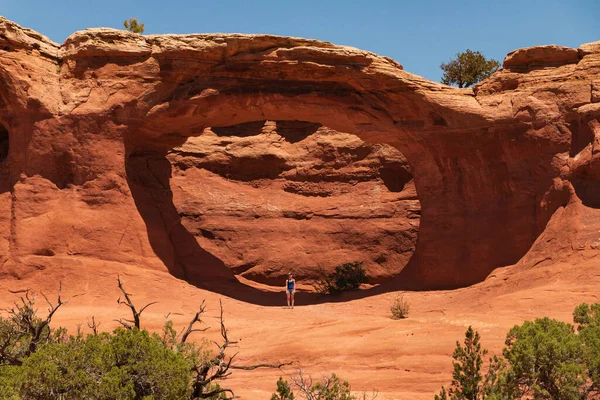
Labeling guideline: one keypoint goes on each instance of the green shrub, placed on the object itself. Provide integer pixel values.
(544, 359)
(348, 276)
(467, 379)
(133, 25)
(9, 382)
(588, 318)
(22, 331)
(468, 68)
(400, 308)
(127, 364)
(332, 388)
(284, 392)
(40, 362)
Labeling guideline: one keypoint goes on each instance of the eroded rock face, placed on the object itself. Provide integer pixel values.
(98, 130)
(291, 196)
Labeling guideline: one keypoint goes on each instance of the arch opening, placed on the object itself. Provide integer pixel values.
(267, 197)
(258, 199)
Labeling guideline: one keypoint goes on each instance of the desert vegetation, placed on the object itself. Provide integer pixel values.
(400, 307)
(543, 359)
(468, 68)
(133, 25)
(326, 388)
(38, 361)
(347, 276)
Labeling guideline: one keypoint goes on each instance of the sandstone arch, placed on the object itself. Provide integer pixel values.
(473, 204)
(490, 163)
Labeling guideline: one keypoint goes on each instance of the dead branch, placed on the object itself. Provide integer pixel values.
(79, 329)
(304, 384)
(309, 392)
(226, 341)
(127, 323)
(217, 367)
(190, 328)
(93, 326)
(5, 356)
(26, 326)
(220, 365)
(253, 367)
(59, 303)
(39, 329)
(374, 395)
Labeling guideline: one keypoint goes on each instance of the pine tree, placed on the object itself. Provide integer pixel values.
(467, 381)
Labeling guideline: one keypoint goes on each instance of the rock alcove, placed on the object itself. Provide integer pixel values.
(272, 196)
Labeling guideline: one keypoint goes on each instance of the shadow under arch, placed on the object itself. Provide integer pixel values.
(148, 176)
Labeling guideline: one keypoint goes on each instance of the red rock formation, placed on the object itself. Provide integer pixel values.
(95, 125)
(291, 196)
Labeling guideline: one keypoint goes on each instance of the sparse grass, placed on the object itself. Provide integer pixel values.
(400, 308)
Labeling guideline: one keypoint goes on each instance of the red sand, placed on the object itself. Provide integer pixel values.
(357, 339)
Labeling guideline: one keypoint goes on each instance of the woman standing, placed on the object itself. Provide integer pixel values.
(290, 289)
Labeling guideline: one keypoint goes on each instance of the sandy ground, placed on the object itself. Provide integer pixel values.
(355, 337)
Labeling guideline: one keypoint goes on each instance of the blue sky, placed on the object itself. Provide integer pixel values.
(418, 34)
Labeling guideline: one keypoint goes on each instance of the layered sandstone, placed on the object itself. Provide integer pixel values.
(111, 146)
(268, 198)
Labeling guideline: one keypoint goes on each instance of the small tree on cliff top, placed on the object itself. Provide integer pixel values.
(468, 68)
(133, 25)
